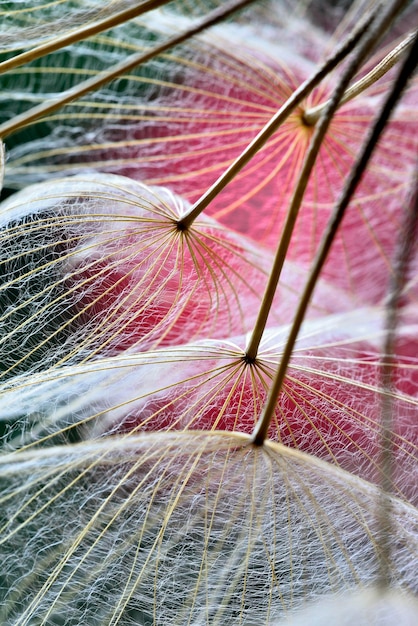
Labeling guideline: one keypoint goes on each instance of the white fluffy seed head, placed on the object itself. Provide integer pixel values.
(115, 324)
(174, 528)
(94, 265)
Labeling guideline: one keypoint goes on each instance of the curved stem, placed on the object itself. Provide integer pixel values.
(19, 121)
(311, 116)
(261, 429)
(270, 128)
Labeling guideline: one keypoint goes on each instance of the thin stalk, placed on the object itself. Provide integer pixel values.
(295, 204)
(311, 116)
(278, 118)
(405, 245)
(79, 34)
(134, 60)
(409, 65)
(326, 111)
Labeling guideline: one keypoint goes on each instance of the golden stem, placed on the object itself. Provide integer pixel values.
(261, 429)
(311, 116)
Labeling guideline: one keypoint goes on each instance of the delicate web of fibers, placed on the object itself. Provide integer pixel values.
(103, 266)
(186, 528)
(32, 22)
(94, 264)
(329, 406)
(103, 523)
